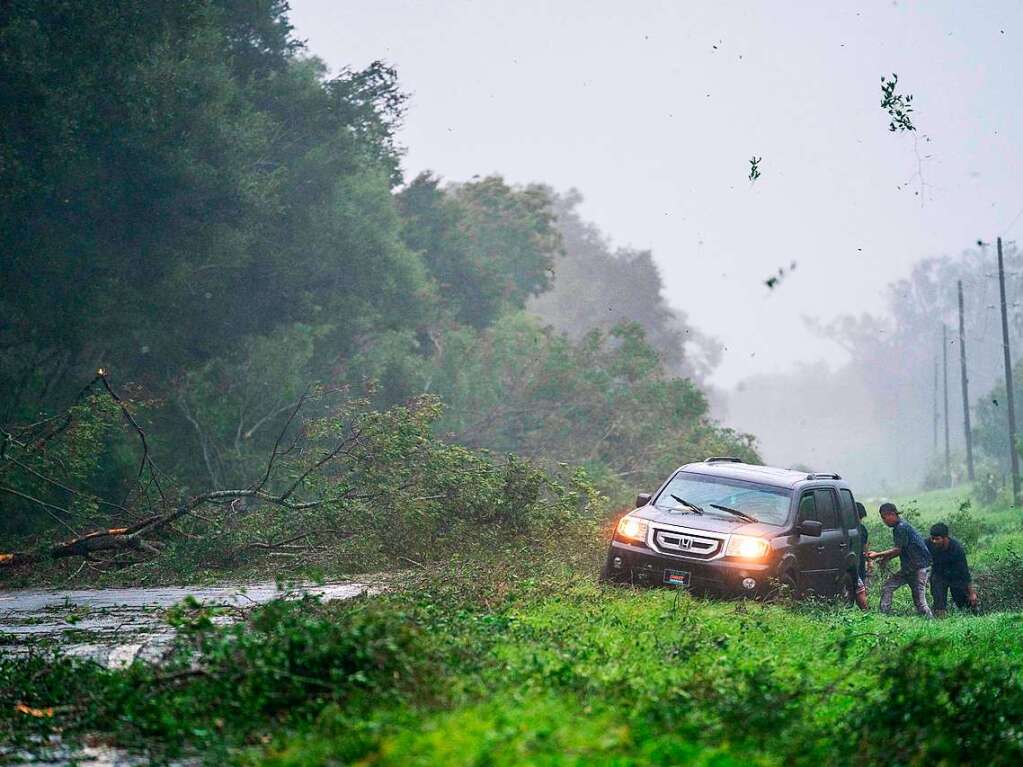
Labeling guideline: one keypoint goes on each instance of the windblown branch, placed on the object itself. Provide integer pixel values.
(280, 436)
(146, 460)
(131, 537)
(49, 508)
(354, 438)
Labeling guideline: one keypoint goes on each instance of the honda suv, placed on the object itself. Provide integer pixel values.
(733, 528)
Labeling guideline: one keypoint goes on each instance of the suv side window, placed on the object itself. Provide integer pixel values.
(850, 520)
(826, 511)
(807, 507)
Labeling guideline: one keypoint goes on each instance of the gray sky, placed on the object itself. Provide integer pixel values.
(632, 104)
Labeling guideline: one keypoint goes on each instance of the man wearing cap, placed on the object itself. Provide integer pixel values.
(950, 573)
(914, 558)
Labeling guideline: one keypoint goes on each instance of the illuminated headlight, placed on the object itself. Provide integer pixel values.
(632, 529)
(747, 547)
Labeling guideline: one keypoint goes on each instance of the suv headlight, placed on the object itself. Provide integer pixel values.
(632, 529)
(747, 547)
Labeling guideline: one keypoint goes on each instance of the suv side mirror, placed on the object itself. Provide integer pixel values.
(811, 527)
(642, 499)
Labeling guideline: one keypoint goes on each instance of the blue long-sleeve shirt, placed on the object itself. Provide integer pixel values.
(913, 552)
(950, 563)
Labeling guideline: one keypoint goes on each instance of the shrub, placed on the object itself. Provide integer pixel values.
(1000, 583)
(987, 487)
(930, 708)
(964, 526)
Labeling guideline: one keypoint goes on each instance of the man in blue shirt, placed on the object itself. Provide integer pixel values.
(950, 572)
(914, 561)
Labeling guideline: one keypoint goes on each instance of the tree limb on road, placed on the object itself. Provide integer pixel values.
(131, 538)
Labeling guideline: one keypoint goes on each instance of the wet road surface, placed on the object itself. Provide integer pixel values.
(117, 626)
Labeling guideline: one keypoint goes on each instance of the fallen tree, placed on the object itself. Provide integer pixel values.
(143, 535)
(382, 476)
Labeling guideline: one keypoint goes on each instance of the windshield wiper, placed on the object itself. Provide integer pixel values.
(696, 509)
(736, 512)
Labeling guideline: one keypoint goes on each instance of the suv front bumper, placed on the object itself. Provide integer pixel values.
(728, 577)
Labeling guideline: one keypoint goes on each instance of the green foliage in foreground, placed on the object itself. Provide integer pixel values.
(517, 660)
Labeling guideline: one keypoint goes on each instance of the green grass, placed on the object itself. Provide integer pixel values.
(525, 659)
(521, 657)
(616, 676)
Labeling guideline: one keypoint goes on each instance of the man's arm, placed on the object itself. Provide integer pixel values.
(886, 554)
(971, 593)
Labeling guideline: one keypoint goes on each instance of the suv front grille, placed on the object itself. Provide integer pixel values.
(687, 544)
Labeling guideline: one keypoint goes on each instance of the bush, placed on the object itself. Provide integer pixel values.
(964, 526)
(1000, 583)
(288, 661)
(930, 708)
(987, 487)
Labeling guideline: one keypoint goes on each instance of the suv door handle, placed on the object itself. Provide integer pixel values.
(820, 547)
(843, 545)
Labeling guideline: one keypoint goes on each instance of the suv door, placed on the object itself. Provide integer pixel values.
(851, 522)
(833, 545)
(810, 551)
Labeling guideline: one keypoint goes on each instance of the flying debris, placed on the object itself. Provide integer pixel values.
(754, 168)
(775, 279)
(897, 105)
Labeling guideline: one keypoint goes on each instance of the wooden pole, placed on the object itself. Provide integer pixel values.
(934, 445)
(1009, 398)
(944, 359)
(966, 387)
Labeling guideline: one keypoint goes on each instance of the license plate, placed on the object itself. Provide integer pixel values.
(676, 577)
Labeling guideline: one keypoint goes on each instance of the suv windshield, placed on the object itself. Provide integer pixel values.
(762, 502)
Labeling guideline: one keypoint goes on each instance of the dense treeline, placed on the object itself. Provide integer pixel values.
(191, 203)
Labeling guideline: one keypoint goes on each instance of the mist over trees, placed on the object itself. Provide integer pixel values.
(191, 203)
(871, 413)
(597, 285)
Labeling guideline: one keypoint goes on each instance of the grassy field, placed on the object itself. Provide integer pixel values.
(523, 658)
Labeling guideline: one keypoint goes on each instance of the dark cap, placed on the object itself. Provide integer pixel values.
(939, 530)
(887, 508)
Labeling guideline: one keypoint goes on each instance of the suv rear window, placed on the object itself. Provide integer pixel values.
(763, 502)
(826, 511)
(850, 519)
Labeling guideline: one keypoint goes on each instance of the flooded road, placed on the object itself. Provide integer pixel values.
(117, 626)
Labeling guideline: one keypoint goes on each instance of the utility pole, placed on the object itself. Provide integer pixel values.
(944, 359)
(966, 387)
(1009, 399)
(934, 446)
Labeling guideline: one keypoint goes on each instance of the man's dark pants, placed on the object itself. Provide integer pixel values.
(939, 592)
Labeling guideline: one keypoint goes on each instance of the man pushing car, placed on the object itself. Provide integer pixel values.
(914, 558)
(950, 572)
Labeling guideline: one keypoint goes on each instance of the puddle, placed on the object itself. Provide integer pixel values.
(115, 627)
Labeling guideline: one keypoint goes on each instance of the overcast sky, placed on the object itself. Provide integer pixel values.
(653, 109)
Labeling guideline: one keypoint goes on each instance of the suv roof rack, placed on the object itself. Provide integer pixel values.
(722, 459)
(823, 475)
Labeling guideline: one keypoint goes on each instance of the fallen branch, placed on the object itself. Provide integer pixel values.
(131, 538)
